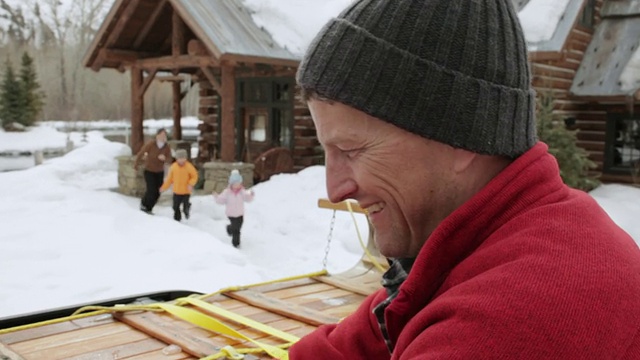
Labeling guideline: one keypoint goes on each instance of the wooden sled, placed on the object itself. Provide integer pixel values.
(250, 322)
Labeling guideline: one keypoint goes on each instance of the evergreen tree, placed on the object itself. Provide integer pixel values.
(32, 97)
(10, 97)
(573, 160)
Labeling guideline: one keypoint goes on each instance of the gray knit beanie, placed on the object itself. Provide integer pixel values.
(181, 154)
(454, 71)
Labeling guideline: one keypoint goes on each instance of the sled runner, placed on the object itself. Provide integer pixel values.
(259, 321)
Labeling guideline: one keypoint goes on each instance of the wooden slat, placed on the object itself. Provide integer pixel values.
(8, 354)
(160, 327)
(284, 285)
(268, 318)
(349, 285)
(124, 351)
(118, 341)
(72, 337)
(285, 308)
(328, 295)
(326, 204)
(47, 330)
(159, 355)
(344, 310)
(298, 291)
(325, 305)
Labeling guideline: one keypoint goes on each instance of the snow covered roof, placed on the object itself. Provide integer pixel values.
(293, 23)
(611, 66)
(547, 23)
(227, 27)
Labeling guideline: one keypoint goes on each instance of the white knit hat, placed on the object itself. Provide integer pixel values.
(235, 177)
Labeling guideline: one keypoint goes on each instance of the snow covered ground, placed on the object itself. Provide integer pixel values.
(67, 238)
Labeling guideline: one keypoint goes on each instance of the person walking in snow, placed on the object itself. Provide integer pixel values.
(234, 197)
(183, 176)
(155, 154)
(426, 114)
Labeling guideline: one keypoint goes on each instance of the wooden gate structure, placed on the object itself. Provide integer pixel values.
(586, 65)
(238, 66)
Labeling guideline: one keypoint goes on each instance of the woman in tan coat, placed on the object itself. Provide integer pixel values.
(155, 154)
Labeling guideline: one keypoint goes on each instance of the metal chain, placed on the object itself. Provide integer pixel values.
(329, 237)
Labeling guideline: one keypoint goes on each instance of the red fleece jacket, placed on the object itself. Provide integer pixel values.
(526, 269)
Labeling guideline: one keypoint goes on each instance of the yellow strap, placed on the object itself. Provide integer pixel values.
(242, 320)
(231, 353)
(49, 322)
(214, 325)
(364, 247)
(245, 287)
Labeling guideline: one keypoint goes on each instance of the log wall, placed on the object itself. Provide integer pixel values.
(553, 73)
(306, 148)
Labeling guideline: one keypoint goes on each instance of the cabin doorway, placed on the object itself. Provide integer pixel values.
(257, 137)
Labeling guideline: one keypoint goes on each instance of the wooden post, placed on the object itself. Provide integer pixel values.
(137, 109)
(227, 131)
(177, 42)
(177, 111)
(177, 48)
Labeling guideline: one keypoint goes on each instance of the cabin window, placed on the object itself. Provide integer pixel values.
(281, 91)
(265, 114)
(254, 92)
(284, 127)
(622, 151)
(588, 16)
(258, 128)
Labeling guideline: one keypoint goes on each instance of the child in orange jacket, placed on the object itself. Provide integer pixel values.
(183, 176)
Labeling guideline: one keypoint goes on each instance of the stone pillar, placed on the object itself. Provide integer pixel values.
(216, 175)
(130, 182)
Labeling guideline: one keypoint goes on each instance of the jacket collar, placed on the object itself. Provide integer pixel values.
(515, 190)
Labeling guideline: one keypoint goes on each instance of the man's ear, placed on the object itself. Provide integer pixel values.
(462, 160)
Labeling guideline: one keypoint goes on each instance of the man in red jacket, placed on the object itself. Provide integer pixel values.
(426, 115)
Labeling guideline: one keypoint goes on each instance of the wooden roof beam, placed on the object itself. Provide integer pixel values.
(122, 22)
(100, 59)
(212, 79)
(148, 80)
(177, 35)
(174, 78)
(234, 59)
(150, 21)
(197, 48)
(176, 62)
(122, 56)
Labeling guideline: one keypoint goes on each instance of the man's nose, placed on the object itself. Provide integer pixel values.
(340, 182)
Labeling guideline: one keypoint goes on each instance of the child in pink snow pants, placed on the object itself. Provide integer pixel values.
(234, 197)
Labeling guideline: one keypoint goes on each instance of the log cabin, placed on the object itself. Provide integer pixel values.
(585, 57)
(590, 67)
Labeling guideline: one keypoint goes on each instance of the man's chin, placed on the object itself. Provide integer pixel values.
(387, 247)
